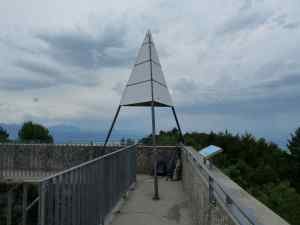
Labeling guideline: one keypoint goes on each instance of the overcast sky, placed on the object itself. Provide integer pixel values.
(231, 64)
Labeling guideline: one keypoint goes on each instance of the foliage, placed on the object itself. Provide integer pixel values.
(34, 133)
(122, 141)
(262, 168)
(294, 144)
(294, 148)
(163, 138)
(3, 135)
(128, 141)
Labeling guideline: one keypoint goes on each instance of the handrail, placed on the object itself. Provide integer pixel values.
(241, 216)
(85, 163)
(36, 200)
(87, 193)
(94, 186)
(232, 201)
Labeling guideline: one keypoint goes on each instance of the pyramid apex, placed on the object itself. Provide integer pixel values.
(148, 37)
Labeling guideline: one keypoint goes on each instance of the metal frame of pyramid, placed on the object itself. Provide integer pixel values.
(147, 87)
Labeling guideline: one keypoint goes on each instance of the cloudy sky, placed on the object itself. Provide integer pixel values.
(231, 64)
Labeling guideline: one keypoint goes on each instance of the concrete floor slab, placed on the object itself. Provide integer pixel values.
(140, 209)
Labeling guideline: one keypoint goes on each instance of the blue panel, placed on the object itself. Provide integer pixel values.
(210, 151)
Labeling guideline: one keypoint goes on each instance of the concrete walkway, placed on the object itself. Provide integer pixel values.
(140, 209)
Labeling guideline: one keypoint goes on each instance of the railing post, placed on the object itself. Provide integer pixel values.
(211, 196)
(9, 207)
(228, 200)
(42, 204)
(24, 204)
(86, 193)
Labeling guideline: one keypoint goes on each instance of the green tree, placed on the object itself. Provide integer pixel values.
(122, 141)
(129, 141)
(34, 133)
(3, 135)
(283, 199)
(294, 147)
(261, 167)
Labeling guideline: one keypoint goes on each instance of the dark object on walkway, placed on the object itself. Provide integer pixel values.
(161, 167)
(171, 166)
(175, 167)
(177, 173)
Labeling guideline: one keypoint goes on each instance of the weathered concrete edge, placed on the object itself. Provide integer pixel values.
(109, 218)
(219, 201)
(262, 214)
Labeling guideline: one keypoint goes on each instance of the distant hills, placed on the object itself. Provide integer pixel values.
(63, 134)
(12, 129)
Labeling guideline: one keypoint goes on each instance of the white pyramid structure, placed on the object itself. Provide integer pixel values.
(147, 87)
(147, 83)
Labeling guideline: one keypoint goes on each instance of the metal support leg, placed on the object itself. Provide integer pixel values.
(112, 126)
(24, 204)
(156, 195)
(178, 126)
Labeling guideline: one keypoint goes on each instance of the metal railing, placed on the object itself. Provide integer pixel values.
(87, 193)
(84, 194)
(218, 196)
(217, 193)
(19, 201)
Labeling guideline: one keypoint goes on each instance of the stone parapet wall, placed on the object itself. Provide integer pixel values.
(215, 199)
(39, 159)
(145, 157)
(204, 212)
(46, 157)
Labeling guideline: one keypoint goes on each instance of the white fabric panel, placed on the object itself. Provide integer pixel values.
(161, 94)
(157, 74)
(144, 54)
(140, 73)
(137, 94)
(154, 55)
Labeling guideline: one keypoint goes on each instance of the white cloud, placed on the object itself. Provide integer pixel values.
(74, 57)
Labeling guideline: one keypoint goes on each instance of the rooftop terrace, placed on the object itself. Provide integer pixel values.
(116, 188)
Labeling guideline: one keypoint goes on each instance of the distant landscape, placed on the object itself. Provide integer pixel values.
(64, 134)
(264, 169)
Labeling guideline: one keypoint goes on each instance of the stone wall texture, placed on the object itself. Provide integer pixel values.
(196, 187)
(45, 159)
(39, 159)
(145, 157)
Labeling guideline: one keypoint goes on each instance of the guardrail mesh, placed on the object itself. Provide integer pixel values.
(87, 193)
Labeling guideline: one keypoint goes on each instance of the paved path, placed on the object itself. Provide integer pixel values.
(140, 209)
